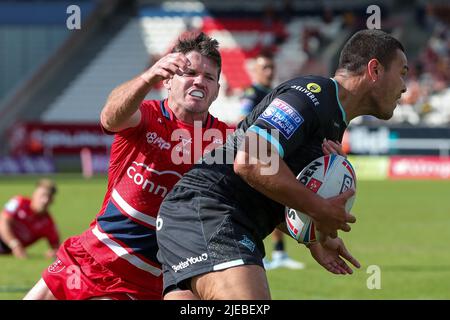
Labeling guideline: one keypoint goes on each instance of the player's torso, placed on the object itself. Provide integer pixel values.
(162, 153)
(324, 118)
(27, 225)
(145, 165)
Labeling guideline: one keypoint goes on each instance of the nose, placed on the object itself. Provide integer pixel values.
(199, 81)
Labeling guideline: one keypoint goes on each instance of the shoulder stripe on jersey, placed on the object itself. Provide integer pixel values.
(344, 115)
(124, 254)
(211, 121)
(132, 212)
(263, 133)
(163, 110)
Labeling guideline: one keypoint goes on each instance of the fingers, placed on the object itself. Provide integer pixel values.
(178, 59)
(349, 218)
(171, 64)
(338, 266)
(329, 146)
(331, 268)
(347, 194)
(344, 267)
(326, 148)
(345, 254)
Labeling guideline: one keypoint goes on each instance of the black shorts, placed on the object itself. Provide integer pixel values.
(199, 232)
(4, 249)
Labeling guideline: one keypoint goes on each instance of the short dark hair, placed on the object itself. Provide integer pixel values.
(265, 53)
(50, 185)
(200, 42)
(366, 45)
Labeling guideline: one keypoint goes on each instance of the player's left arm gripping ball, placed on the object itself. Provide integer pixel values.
(331, 253)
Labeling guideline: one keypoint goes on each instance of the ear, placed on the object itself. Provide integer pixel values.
(374, 70)
(167, 83)
(217, 92)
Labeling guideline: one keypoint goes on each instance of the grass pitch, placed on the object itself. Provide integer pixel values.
(403, 228)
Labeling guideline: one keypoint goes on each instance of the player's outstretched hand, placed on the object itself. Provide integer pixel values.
(329, 146)
(166, 68)
(332, 216)
(331, 253)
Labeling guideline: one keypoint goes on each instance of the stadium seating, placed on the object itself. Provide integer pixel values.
(121, 60)
(150, 34)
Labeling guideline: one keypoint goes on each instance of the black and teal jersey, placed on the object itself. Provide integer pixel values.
(294, 117)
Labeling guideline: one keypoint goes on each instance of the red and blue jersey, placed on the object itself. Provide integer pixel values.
(29, 226)
(146, 162)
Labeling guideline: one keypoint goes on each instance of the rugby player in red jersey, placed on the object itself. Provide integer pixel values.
(24, 220)
(155, 143)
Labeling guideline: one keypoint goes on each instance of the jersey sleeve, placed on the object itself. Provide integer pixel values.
(287, 122)
(146, 115)
(11, 207)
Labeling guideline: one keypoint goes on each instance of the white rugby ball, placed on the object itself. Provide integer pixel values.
(328, 176)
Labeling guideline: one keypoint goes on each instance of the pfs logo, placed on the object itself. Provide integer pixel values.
(347, 183)
(152, 138)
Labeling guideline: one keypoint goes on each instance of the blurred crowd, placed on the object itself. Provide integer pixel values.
(427, 101)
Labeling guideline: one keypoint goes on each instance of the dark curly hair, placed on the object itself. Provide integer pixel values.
(200, 42)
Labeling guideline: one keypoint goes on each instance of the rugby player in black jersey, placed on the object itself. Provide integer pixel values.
(212, 224)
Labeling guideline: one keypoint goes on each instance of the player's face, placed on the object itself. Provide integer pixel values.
(264, 71)
(390, 86)
(42, 198)
(197, 88)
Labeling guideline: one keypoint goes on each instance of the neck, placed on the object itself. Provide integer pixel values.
(352, 94)
(185, 115)
(35, 208)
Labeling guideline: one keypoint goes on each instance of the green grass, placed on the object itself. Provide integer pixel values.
(76, 204)
(402, 227)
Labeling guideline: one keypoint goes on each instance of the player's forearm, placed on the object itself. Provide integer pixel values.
(6, 233)
(282, 186)
(123, 103)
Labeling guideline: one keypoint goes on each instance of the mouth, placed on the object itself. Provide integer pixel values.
(197, 93)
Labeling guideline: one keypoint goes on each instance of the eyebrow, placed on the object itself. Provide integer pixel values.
(206, 73)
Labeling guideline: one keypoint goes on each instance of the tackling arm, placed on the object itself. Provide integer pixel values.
(121, 110)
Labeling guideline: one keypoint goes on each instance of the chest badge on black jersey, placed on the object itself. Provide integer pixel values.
(313, 87)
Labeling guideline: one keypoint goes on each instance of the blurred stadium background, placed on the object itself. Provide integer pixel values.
(54, 82)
